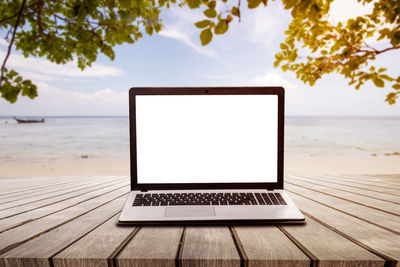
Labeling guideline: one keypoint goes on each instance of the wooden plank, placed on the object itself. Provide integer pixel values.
(53, 188)
(268, 246)
(97, 248)
(38, 251)
(36, 196)
(35, 214)
(328, 247)
(209, 246)
(357, 184)
(33, 188)
(391, 178)
(32, 197)
(380, 183)
(8, 184)
(376, 177)
(373, 238)
(16, 236)
(151, 246)
(29, 185)
(393, 195)
(26, 181)
(385, 220)
(381, 205)
(48, 201)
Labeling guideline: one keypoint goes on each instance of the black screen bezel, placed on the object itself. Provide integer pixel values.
(133, 92)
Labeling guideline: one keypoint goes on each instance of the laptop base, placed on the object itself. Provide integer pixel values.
(211, 215)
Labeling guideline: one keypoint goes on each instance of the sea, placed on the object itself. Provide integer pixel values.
(107, 138)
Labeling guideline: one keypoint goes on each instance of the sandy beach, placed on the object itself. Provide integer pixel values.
(307, 165)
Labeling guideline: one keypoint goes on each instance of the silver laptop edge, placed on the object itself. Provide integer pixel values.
(187, 214)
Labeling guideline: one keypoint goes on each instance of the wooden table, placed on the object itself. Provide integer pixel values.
(72, 221)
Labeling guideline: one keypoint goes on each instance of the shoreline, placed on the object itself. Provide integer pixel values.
(316, 165)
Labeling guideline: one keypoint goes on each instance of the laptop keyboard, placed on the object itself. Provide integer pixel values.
(217, 199)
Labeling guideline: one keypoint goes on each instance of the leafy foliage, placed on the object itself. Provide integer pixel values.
(327, 48)
(14, 84)
(61, 30)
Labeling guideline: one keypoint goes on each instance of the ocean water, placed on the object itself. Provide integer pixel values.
(65, 138)
(342, 136)
(107, 138)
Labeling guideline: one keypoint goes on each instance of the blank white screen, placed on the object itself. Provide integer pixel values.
(206, 138)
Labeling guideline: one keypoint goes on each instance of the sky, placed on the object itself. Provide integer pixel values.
(244, 56)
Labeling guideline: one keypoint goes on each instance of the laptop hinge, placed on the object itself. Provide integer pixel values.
(144, 190)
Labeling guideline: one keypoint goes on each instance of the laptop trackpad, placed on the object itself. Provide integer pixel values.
(189, 211)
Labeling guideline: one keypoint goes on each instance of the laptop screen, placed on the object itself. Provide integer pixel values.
(206, 138)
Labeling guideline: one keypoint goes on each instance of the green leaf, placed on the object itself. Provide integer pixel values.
(284, 46)
(386, 77)
(206, 36)
(212, 4)
(202, 24)
(382, 70)
(235, 11)
(253, 3)
(221, 27)
(391, 98)
(18, 79)
(210, 13)
(12, 73)
(126, 3)
(193, 3)
(378, 82)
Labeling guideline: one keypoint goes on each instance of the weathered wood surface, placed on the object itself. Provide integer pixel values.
(72, 221)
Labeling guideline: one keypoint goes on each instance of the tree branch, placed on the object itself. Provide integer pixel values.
(239, 10)
(375, 51)
(12, 41)
(8, 18)
(387, 49)
(39, 16)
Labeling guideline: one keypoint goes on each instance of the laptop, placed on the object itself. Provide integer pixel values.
(207, 155)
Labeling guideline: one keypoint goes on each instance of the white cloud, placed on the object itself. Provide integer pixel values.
(265, 25)
(176, 32)
(179, 25)
(3, 42)
(37, 67)
(272, 78)
(342, 10)
(54, 101)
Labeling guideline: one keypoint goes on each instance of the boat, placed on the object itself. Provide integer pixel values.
(28, 120)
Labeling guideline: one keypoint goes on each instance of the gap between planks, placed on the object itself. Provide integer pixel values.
(315, 199)
(17, 210)
(24, 199)
(382, 244)
(56, 183)
(379, 185)
(64, 221)
(91, 195)
(349, 187)
(370, 205)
